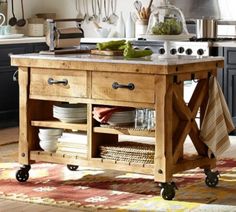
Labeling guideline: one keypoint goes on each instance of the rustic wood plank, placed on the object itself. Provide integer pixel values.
(102, 87)
(60, 125)
(163, 133)
(125, 131)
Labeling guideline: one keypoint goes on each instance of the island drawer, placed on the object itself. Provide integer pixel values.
(60, 83)
(123, 87)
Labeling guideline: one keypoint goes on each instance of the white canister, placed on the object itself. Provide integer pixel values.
(130, 27)
(121, 26)
(141, 27)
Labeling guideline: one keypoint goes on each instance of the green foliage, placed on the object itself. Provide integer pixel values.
(111, 45)
(170, 26)
(129, 52)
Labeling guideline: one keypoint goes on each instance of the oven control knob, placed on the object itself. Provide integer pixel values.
(147, 48)
(162, 51)
(200, 51)
(181, 50)
(173, 51)
(189, 51)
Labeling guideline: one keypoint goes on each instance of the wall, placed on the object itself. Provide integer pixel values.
(67, 9)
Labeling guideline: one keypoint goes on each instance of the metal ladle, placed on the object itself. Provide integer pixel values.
(22, 21)
(113, 17)
(106, 11)
(78, 9)
(12, 21)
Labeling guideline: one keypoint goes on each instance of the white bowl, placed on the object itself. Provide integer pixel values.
(50, 131)
(48, 137)
(103, 32)
(48, 146)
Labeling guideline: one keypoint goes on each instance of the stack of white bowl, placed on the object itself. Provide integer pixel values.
(122, 118)
(49, 138)
(71, 113)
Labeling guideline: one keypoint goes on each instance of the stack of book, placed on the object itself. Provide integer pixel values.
(73, 143)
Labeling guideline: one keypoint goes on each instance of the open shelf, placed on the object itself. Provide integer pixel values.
(124, 131)
(43, 156)
(60, 125)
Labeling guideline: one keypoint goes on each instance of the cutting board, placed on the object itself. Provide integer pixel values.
(107, 52)
(65, 51)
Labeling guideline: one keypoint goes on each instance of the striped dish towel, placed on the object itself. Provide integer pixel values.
(217, 121)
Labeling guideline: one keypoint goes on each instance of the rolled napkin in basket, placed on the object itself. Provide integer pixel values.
(217, 122)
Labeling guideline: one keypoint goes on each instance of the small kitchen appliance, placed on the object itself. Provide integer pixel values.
(61, 39)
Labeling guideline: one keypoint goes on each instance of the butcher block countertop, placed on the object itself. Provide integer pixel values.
(152, 65)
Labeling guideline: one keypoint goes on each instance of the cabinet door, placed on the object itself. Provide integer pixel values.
(40, 47)
(5, 50)
(9, 91)
(232, 93)
(9, 94)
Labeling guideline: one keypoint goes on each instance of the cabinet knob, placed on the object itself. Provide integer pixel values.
(51, 81)
(116, 85)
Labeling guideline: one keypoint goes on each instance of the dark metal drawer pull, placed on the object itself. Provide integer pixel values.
(51, 81)
(116, 85)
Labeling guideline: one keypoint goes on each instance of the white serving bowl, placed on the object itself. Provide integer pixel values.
(48, 146)
(48, 137)
(50, 131)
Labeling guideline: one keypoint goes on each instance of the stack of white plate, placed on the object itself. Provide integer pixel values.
(70, 113)
(49, 138)
(122, 118)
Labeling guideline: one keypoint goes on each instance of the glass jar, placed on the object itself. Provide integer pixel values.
(167, 20)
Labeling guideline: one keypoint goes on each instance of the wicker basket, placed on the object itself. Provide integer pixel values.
(132, 152)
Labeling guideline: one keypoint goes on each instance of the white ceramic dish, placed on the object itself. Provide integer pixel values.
(120, 124)
(48, 146)
(50, 131)
(69, 106)
(69, 114)
(48, 137)
(11, 36)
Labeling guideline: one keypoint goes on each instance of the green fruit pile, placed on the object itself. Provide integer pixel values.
(170, 26)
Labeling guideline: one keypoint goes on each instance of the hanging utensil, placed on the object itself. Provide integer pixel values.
(99, 5)
(78, 9)
(12, 21)
(94, 11)
(2, 19)
(86, 15)
(21, 22)
(106, 11)
(113, 17)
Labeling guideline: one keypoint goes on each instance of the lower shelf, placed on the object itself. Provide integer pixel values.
(61, 125)
(42, 156)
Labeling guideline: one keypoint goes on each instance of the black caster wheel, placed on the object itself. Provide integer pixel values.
(168, 190)
(22, 175)
(212, 178)
(72, 167)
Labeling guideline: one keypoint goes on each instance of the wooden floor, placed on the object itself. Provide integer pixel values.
(8, 154)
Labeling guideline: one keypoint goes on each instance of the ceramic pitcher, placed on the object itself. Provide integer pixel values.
(2, 19)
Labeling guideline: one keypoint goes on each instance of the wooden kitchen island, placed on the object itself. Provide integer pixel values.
(142, 83)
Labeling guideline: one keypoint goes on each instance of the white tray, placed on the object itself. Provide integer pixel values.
(11, 36)
(168, 37)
